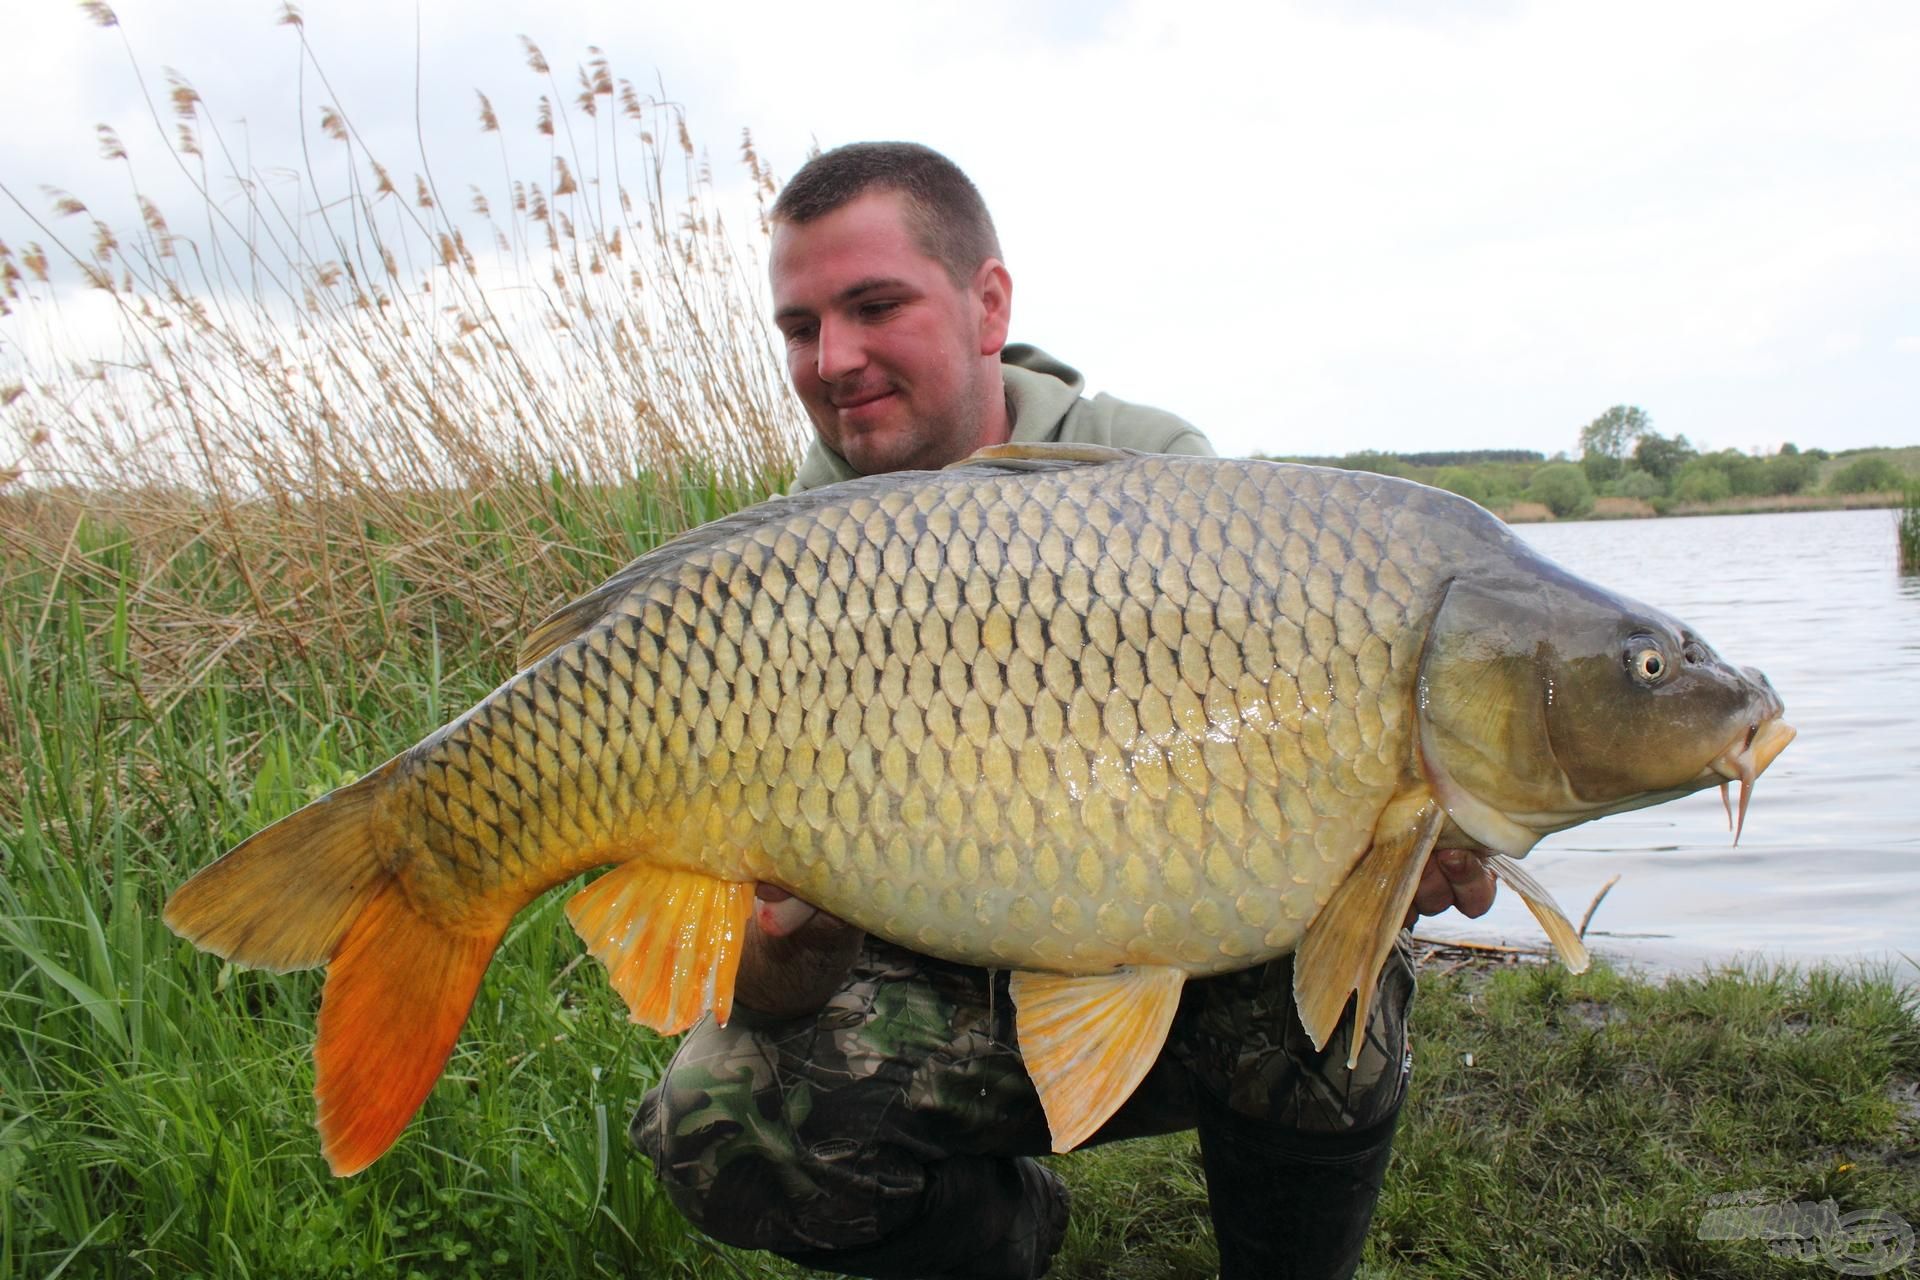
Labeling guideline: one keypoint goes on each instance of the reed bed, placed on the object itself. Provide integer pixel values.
(373, 402)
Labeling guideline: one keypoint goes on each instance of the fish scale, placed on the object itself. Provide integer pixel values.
(976, 714)
(1107, 720)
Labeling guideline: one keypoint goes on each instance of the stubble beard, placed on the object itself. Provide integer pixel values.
(930, 442)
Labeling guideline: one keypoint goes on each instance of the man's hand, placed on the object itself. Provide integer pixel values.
(780, 914)
(1454, 880)
(794, 955)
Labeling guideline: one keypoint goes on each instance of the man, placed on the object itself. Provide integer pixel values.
(866, 1110)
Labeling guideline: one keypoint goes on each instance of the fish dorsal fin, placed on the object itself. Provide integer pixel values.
(1088, 1041)
(1566, 939)
(1044, 456)
(670, 940)
(572, 620)
(1348, 940)
(566, 623)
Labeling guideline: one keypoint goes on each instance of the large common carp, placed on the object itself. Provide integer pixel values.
(1104, 719)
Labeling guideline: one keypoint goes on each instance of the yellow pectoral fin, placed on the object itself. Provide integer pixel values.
(1089, 1041)
(670, 940)
(1348, 941)
(1566, 939)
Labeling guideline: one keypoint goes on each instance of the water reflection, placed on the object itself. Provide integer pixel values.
(1829, 864)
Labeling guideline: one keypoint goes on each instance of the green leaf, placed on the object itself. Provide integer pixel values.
(103, 1009)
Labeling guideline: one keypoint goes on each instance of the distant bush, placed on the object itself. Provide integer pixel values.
(1473, 485)
(1709, 477)
(1661, 456)
(1702, 481)
(1746, 476)
(1751, 477)
(1505, 482)
(1469, 457)
(1601, 468)
(1790, 472)
(1867, 475)
(1563, 487)
(1635, 484)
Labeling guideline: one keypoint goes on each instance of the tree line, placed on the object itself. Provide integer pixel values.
(1621, 455)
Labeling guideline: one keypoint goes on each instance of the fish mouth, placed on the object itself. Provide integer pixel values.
(1745, 759)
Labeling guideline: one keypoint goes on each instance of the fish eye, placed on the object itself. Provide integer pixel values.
(1649, 664)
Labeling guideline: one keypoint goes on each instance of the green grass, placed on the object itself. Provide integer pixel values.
(1599, 1120)
(155, 1108)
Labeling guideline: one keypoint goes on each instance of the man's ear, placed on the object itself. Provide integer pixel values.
(993, 292)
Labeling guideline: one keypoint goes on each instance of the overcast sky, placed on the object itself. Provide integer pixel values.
(1307, 227)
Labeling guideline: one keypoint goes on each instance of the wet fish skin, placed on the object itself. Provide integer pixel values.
(1132, 718)
(920, 708)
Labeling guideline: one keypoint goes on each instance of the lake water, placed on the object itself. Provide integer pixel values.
(1828, 868)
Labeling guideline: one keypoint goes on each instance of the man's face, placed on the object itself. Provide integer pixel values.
(897, 366)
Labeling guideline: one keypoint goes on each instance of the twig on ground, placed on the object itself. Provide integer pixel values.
(1595, 904)
(1490, 948)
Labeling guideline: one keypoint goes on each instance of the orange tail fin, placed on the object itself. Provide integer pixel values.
(311, 890)
(397, 994)
(283, 898)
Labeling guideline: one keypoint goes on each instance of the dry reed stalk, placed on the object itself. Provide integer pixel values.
(344, 411)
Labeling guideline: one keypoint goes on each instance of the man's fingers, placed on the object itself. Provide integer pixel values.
(1434, 895)
(1472, 882)
(794, 966)
(1453, 880)
(779, 913)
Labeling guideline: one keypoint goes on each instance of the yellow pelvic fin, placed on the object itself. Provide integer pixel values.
(1348, 941)
(1089, 1041)
(670, 940)
(284, 897)
(397, 994)
(1566, 939)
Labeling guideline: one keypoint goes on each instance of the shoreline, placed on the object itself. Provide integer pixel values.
(1639, 509)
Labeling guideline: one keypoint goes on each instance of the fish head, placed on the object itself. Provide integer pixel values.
(1546, 701)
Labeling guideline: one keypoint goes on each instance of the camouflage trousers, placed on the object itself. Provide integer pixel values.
(891, 1129)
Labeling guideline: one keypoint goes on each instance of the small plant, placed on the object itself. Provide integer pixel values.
(1907, 530)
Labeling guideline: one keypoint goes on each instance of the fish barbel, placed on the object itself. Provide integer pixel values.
(1107, 720)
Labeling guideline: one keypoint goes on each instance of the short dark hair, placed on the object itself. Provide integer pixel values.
(948, 217)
